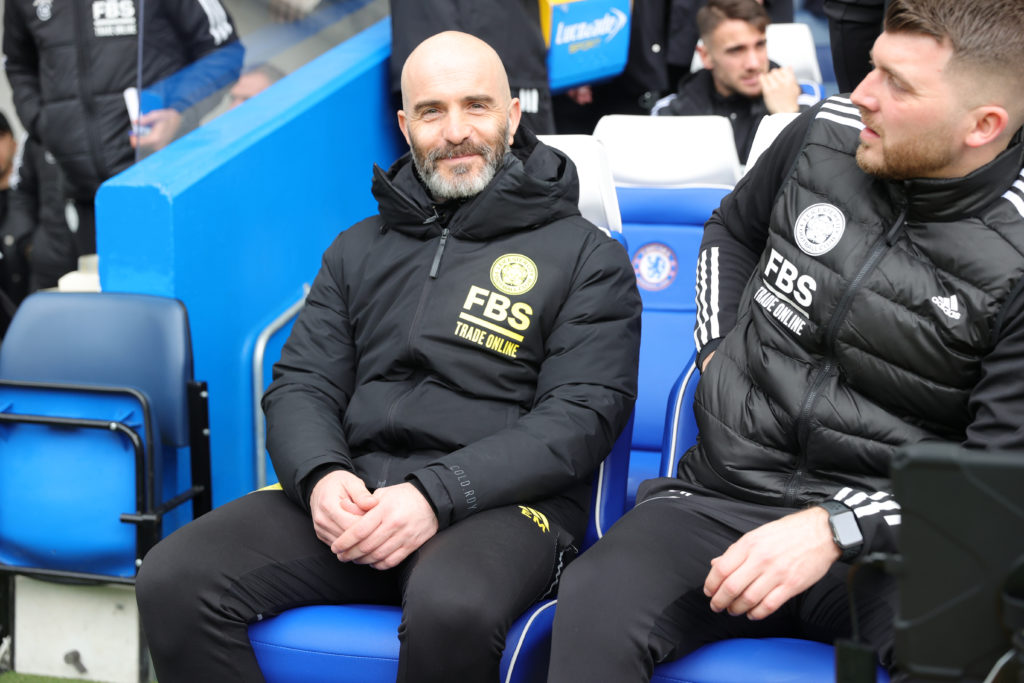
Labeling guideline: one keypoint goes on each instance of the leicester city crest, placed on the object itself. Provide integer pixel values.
(513, 274)
(44, 9)
(818, 228)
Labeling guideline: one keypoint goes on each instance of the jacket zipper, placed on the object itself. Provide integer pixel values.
(437, 255)
(433, 276)
(99, 167)
(882, 245)
(414, 325)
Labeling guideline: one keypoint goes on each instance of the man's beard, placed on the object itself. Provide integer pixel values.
(462, 182)
(917, 157)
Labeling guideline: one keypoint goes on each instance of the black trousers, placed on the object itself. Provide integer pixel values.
(852, 30)
(636, 598)
(256, 556)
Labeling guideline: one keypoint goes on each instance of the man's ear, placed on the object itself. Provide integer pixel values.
(989, 122)
(403, 125)
(705, 56)
(515, 115)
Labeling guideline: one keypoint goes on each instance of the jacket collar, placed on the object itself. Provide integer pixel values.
(946, 199)
(535, 185)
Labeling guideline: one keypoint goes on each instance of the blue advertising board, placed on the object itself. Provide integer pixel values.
(587, 40)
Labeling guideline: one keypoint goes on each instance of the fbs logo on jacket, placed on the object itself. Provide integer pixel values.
(493, 320)
(113, 18)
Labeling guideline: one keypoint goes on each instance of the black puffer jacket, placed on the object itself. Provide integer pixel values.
(36, 217)
(486, 349)
(69, 63)
(877, 314)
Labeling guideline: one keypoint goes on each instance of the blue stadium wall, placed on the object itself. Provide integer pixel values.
(233, 219)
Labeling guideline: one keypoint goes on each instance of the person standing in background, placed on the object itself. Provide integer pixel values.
(511, 27)
(10, 269)
(69, 64)
(37, 219)
(853, 26)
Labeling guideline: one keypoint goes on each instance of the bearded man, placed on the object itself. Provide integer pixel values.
(464, 362)
(861, 289)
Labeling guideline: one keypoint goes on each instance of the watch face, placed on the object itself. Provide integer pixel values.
(846, 530)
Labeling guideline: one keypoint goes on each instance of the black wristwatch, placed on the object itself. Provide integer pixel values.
(845, 529)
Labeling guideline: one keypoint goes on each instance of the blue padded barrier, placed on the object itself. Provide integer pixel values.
(664, 227)
(737, 660)
(359, 643)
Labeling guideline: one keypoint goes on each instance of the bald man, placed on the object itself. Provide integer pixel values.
(464, 361)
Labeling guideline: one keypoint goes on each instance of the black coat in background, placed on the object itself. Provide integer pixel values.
(853, 26)
(511, 27)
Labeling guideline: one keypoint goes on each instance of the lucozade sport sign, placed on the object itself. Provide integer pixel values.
(587, 40)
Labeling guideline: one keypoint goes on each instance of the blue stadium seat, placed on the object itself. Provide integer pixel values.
(359, 643)
(663, 227)
(811, 92)
(670, 173)
(97, 403)
(737, 660)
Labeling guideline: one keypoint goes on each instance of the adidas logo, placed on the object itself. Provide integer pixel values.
(948, 305)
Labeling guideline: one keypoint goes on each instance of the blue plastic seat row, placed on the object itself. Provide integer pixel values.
(98, 411)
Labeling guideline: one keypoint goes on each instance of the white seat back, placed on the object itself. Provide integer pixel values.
(598, 201)
(669, 151)
(792, 45)
(766, 133)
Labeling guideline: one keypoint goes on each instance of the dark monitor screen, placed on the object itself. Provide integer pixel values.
(961, 538)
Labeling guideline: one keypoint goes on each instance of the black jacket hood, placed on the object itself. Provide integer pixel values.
(536, 185)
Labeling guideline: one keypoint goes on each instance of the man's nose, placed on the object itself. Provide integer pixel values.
(753, 61)
(864, 95)
(457, 127)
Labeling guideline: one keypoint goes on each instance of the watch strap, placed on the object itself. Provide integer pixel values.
(835, 508)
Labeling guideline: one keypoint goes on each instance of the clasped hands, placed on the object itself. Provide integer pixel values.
(379, 529)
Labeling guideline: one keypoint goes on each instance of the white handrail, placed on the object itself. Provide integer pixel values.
(259, 351)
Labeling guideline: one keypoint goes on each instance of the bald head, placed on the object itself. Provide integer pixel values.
(457, 115)
(454, 53)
